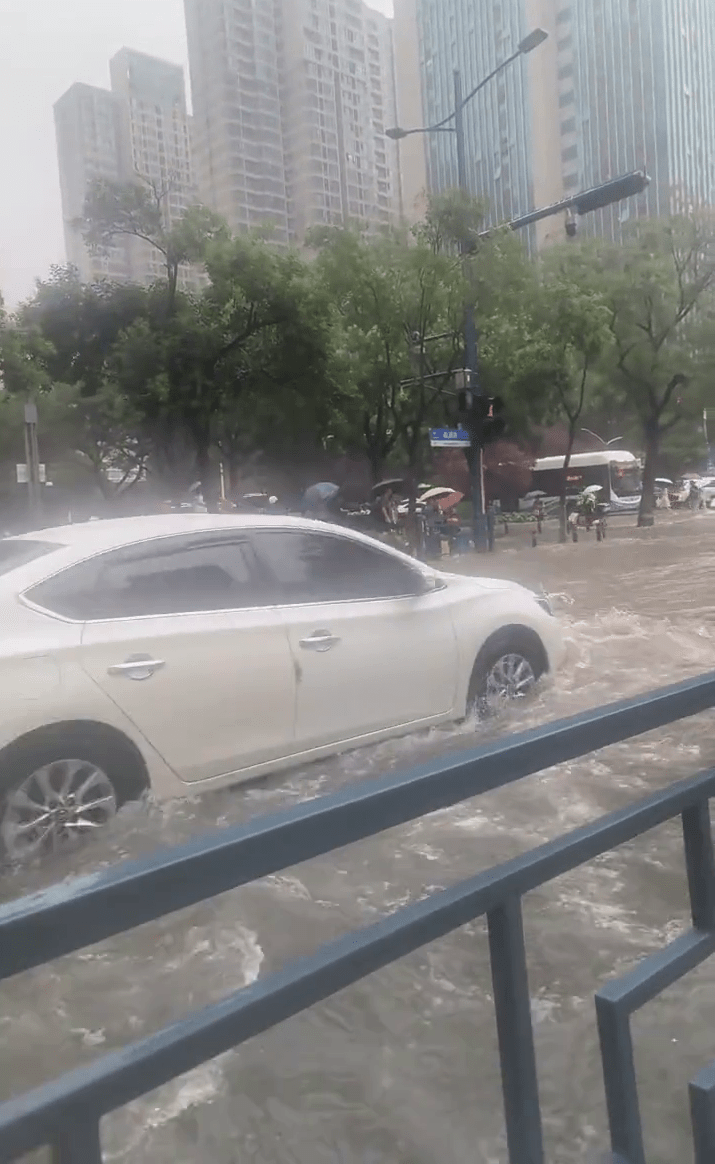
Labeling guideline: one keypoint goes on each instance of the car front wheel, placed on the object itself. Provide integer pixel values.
(507, 670)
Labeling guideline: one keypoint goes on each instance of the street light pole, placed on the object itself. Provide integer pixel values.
(471, 342)
(471, 345)
(32, 460)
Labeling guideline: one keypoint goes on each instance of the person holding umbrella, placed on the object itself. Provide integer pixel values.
(319, 501)
(383, 506)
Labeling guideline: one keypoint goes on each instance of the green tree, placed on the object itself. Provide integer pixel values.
(25, 356)
(81, 323)
(232, 364)
(139, 210)
(570, 347)
(397, 316)
(659, 287)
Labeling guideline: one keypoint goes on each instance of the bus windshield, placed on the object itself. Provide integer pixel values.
(625, 480)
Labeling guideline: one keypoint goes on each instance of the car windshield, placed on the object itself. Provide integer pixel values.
(18, 552)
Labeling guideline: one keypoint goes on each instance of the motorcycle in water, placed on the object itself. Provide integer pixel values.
(588, 513)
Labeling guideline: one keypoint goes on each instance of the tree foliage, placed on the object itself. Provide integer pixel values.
(353, 345)
(659, 290)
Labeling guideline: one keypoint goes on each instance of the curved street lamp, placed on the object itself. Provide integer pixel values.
(607, 444)
(454, 123)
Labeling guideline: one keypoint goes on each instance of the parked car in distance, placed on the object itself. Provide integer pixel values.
(706, 485)
(187, 651)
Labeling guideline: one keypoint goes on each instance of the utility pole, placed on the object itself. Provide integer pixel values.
(471, 346)
(32, 459)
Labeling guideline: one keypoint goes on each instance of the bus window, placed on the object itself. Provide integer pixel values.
(625, 480)
(577, 479)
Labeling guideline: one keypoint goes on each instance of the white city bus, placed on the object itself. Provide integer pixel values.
(616, 471)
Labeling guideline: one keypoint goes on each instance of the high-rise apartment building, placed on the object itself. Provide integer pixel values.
(234, 56)
(136, 131)
(87, 131)
(291, 100)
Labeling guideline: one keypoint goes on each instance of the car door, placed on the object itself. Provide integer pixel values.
(373, 650)
(178, 635)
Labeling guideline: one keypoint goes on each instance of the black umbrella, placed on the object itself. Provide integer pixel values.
(395, 483)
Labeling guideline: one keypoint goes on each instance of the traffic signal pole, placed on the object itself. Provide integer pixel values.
(471, 346)
(527, 45)
(585, 202)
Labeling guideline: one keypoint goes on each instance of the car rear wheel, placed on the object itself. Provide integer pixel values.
(57, 793)
(507, 671)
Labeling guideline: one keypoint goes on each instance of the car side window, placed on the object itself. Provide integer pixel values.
(171, 576)
(310, 567)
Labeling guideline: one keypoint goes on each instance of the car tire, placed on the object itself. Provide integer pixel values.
(513, 659)
(59, 786)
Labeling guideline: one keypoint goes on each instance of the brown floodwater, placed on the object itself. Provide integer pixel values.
(403, 1066)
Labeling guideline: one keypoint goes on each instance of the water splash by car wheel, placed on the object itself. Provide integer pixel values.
(56, 806)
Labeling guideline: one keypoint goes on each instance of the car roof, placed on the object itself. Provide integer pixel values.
(85, 539)
(88, 536)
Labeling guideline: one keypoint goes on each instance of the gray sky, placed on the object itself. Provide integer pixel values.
(47, 45)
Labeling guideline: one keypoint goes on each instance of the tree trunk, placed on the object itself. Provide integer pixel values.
(376, 462)
(563, 519)
(207, 475)
(651, 432)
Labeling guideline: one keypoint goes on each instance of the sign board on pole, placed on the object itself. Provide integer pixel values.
(23, 475)
(449, 438)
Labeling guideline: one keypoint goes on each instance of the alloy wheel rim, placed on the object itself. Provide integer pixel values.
(56, 807)
(511, 677)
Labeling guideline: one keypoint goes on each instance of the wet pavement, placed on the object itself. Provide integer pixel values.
(403, 1066)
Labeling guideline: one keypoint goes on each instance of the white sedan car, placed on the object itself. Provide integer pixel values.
(184, 652)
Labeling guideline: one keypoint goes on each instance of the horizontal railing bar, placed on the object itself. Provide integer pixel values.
(657, 971)
(67, 917)
(124, 1075)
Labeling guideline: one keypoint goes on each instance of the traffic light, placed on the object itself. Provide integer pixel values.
(487, 415)
(494, 423)
(615, 191)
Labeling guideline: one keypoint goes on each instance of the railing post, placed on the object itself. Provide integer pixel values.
(702, 1115)
(78, 1143)
(512, 1005)
(700, 864)
(619, 1080)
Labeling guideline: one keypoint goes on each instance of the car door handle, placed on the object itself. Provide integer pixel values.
(138, 667)
(320, 640)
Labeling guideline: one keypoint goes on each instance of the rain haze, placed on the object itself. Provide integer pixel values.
(357, 560)
(47, 47)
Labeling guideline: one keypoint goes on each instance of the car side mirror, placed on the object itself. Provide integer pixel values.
(430, 583)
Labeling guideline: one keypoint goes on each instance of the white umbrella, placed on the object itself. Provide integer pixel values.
(437, 491)
(593, 488)
(663, 481)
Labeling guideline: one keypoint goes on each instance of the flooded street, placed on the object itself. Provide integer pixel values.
(404, 1066)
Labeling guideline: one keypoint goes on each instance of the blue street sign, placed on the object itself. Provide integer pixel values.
(449, 438)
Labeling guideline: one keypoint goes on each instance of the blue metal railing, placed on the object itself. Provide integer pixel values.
(66, 1112)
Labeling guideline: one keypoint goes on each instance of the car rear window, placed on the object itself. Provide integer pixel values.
(18, 552)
